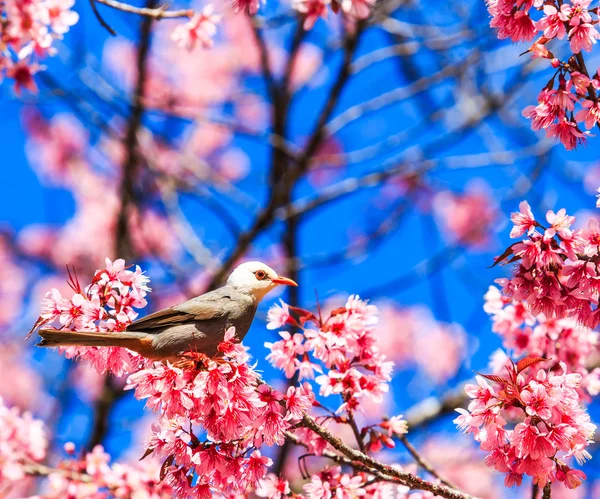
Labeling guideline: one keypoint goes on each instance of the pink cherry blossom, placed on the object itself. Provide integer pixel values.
(553, 22)
(523, 221)
(199, 30)
(312, 9)
(278, 316)
(582, 37)
(567, 132)
(590, 114)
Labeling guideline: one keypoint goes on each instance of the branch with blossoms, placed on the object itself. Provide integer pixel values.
(24, 449)
(532, 420)
(216, 415)
(545, 23)
(31, 28)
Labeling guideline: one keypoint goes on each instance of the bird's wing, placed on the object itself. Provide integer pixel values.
(211, 305)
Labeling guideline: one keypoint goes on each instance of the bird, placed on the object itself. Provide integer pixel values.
(197, 325)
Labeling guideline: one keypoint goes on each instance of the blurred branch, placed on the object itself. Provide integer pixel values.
(265, 63)
(123, 244)
(396, 95)
(344, 188)
(38, 469)
(426, 465)
(267, 215)
(182, 227)
(431, 409)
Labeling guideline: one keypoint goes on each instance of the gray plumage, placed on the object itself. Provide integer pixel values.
(196, 325)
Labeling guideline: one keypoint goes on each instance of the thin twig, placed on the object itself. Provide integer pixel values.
(152, 12)
(100, 19)
(356, 431)
(38, 469)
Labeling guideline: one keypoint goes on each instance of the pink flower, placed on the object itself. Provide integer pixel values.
(278, 316)
(553, 22)
(590, 114)
(537, 401)
(578, 12)
(582, 37)
(560, 222)
(58, 16)
(396, 426)
(312, 9)
(272, 487)
(567, 132)
(257, 467)
(249, 6)
(580, 82)
(360, 9)
(200, 29)
(284, 352)
(574, 478)
(544, 114)
(298, 401)
(523, 221)
(22, 72)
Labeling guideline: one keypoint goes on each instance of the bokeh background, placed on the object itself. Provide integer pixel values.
(382, 160)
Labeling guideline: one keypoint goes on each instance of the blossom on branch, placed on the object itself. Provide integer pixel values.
(552, 425)
(549, 21)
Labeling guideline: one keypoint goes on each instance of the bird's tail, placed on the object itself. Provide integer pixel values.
(138, 342)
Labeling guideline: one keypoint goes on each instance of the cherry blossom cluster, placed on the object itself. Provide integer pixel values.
(332, 482)
(24, 448)
(216, 415)
(60, 151)
(199, 30)
(342, 348)
(556, 269)
(234, 412)
(107, 304)
(531, 424)
(315, 9)
(23, 440)
(28, 31)
(544, 23)
(556, 339)
(93, 475)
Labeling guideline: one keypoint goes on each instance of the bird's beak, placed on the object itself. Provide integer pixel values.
(284, 280)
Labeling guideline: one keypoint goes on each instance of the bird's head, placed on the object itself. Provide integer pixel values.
(257, 279)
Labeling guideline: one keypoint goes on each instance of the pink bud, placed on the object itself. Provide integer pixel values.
(555, 62)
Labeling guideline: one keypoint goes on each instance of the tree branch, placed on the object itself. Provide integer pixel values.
(151, 11)
(123, 244)
(408, 479)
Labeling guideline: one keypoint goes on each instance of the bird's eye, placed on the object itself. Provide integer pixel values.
(261, 275)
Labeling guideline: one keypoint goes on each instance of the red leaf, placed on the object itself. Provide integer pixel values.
(163, 469)
(146, 454)
(338, 311)
(495, 378)
(40, 322)
(507, 252)
(528, 362)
